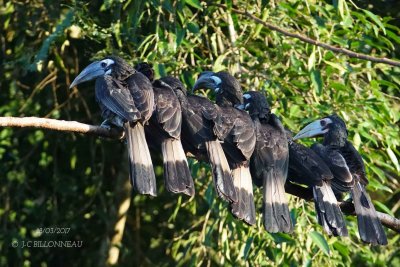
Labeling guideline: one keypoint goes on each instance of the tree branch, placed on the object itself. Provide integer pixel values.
(73, 126)
(312, 41)
(60, 125)
(346, 207)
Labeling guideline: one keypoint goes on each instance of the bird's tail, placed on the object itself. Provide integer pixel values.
(177, 176)
(369, 225)
(329, 214)
(221, 172)
(244, 208)
(141, 167)
(276, 210)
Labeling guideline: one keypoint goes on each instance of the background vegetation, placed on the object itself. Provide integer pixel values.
(51, 179)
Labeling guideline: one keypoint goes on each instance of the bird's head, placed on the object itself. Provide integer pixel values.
(226, 87)
(111, 65)
(332, 128)
(256, 104)
(146, 69)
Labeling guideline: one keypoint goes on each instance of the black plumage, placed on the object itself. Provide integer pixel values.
(269, 162)
(307, 168)
(126, 99)
(348, 169)
(164, 131)
(235, 129)
(199, 116)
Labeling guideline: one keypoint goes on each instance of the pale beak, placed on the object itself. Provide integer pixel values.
(205, 81)
(91, 72)
(313, 129)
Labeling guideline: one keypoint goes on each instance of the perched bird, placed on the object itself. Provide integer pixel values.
(307, 168)
(348, 170)
(235, 128)
(269, 162)
(126, 100)
(164, 130)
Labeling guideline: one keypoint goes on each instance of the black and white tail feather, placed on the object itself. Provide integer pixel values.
(177, 175)
(276, 210)
(369, 225)
(328, 211)
(221, 172)
(141, 167)
(244, 208)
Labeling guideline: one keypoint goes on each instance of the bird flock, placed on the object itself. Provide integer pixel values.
(240, 138)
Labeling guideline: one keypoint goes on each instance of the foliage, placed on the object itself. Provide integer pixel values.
(66, 180)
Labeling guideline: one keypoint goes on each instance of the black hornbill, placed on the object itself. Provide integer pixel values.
(126, 100)
(269, 162)
(348, 169)
(164, 130)
(235, 128)
(306, 167)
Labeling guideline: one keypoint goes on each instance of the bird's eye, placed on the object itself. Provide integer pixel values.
(103, 64)
(323, 123)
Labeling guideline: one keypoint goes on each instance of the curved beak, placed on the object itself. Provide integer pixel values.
(91, 72)
(313, 129)
(205, 81)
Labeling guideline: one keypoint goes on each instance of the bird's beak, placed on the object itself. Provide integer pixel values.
(240, 106)
(205, 81)
(91, 72)
(315, 128)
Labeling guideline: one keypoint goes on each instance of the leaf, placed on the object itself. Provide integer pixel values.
(316, 80)
(393, 157)
(376, 19)
(356, 141)
(383, 207)
(193, 27)
(247, 248)
(194, 3)
(311, 61)
(320, 241)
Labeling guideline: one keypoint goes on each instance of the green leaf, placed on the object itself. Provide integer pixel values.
(383, 207)
(194, 3)
(376, 19)
(316, 80)
(320, 241)
(193, 27)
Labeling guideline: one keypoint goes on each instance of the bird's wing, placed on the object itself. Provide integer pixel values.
(200, 117)
(355, 162)
(306, 167)
(237, 129)
(168, 111)
(142, 93)
(343, 179)
(114, 96)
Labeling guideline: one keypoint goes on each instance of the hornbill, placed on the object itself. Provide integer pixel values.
(126, 100)
(348, 169)
(235, 128)
(269, 162)
(164, 130)
(306, 167)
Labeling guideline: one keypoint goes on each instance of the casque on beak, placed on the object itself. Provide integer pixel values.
(318, 127)
(91, 72)
(206, 81)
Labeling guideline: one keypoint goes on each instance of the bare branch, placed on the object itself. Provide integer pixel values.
(346, 207)
(312, 41)
(77, 127)
(60, 125)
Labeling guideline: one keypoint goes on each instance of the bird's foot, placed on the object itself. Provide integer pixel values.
(106, 125)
